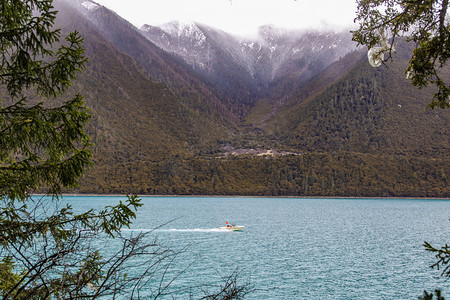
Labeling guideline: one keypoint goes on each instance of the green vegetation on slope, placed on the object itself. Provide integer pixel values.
(368, 110)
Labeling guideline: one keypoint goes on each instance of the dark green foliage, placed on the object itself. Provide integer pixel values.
(22, 55)
(443, 258)
(429, 296)
(40, 145)
(426, 24)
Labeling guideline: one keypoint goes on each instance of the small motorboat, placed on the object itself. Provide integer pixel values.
(232, 227)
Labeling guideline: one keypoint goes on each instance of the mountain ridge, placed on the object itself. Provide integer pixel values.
(255, 66)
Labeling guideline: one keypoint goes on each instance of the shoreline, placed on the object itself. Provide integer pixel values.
(240, 196)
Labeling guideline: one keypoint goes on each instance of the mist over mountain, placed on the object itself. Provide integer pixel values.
(189, 109)
(250, 68)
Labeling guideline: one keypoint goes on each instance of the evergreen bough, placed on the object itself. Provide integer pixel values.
(425, 23)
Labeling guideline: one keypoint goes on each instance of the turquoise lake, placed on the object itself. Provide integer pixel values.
(298, 248)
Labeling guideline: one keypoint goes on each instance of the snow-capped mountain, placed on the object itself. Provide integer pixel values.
(273, 54)
(214, 54)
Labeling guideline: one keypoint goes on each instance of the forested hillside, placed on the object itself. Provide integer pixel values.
(351, 130)
(369, 110)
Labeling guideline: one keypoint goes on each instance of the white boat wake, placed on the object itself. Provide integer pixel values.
(175, 230)
(197, 230)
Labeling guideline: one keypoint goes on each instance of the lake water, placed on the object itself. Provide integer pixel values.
(299, 248)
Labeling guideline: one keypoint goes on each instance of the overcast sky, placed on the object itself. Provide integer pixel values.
(239, 16)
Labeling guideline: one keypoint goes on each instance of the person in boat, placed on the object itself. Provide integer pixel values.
(228, 224)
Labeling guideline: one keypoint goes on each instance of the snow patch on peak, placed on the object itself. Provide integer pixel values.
(255, 46)
(184, 30)
(179, 28)
(90, 5)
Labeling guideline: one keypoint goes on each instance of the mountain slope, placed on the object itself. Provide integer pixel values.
(136, 120)
(368, 110)
(159, 65)
(215, 56)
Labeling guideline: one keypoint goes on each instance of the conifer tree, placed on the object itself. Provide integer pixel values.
(46, 250)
